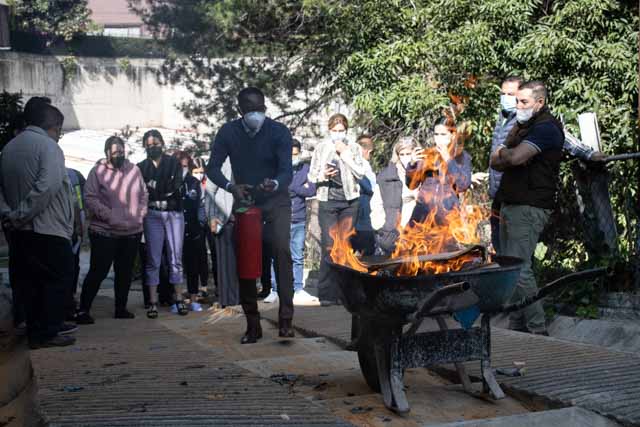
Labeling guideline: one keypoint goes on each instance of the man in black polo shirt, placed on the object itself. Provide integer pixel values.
(530, 159)
(260, 152)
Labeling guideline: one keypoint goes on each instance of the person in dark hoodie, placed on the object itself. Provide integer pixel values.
(299, 189)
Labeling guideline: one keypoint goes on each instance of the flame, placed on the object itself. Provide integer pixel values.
(440, 232)
(342, 252)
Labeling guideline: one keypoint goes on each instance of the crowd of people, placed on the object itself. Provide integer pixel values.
(178, 213)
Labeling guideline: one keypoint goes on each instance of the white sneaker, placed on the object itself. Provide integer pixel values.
(302, 297)
(272, 297)
(194, 306)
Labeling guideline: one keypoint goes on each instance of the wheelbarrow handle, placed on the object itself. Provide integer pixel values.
(437, 296)
(556, 286)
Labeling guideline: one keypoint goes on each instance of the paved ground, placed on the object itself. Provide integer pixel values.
(559, 373)
(192, 371)
(144, 372)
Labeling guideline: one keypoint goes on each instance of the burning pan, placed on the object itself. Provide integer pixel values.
(397, 298)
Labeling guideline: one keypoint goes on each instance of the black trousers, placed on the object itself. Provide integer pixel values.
(70, 299)
(276, 214)
(105, 251)
(329, 214)
(18, 308)
(43, 270)
(194, 261)
(265, 278)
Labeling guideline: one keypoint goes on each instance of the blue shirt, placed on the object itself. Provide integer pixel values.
(266, 154)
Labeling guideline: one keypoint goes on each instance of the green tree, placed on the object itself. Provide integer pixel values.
(401, 63)
(53, 18)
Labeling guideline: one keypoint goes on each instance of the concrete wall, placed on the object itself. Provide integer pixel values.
(101, 93)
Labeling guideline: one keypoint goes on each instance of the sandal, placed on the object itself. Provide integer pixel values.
(152, 313)
(181, 308)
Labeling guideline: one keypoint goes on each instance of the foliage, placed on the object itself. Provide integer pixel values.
(402, 63)
(85, 45)
(11, 121)
(69, 66)
(52, 18)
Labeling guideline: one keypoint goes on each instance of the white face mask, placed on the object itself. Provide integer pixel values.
(442, 141)
(523, 116)
(295, 160)
(339, 136)
(254, 120)
(405, 161)
(199, 176)
(185, 171)
(508, 103)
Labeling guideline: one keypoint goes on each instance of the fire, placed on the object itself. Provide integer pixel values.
(419, 244)
(342, 252)
(437, 234)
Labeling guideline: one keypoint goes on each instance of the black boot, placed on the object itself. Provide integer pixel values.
(286, 329)
(254, 330)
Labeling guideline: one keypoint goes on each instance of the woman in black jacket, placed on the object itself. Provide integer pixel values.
(194, 227)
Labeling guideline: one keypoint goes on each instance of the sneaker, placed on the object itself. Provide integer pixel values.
(83, 318)
(67, 328)
(302, 297)
(124, 314)
(57, 341)
(272, 298)
(194, 306)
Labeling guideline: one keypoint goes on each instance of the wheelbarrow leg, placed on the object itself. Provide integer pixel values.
(462, 371)
(489, 382)
(391, 375)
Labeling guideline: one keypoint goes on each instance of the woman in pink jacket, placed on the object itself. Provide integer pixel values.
(116, 199)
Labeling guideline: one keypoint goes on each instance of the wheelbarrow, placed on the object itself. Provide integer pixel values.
(389, 310)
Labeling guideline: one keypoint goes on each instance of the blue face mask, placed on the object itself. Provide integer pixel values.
(508, 103)
(254, 120)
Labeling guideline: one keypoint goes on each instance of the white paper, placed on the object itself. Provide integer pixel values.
(589, 130)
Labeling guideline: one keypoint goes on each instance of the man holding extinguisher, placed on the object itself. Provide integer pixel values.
(259, 149)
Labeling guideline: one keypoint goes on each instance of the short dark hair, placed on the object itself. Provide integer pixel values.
(538, 89)
(152, 133)
(368, 145)
(199, 163)
(113, 140)
(33, 107)
(47, 117)
(247, 93)
(182, 155)
(296, 144)
(513, 79)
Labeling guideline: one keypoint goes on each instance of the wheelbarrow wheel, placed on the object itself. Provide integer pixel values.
(367, 358)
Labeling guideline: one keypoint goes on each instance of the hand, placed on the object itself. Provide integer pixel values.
(598, 157)
(479, 177)
(268, 185)
(418, 154)
(330, 172)
(214, 223)
(240, 191)
(340, 147)
(445, 154)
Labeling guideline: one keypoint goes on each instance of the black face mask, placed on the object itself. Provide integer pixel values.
(117, 161)
(154, 152)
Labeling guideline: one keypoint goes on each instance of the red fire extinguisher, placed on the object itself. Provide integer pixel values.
(248, 233)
